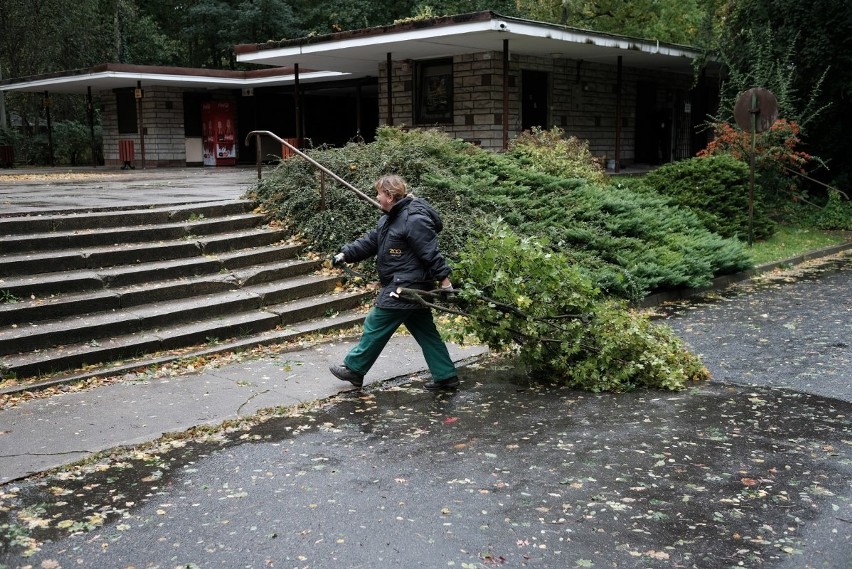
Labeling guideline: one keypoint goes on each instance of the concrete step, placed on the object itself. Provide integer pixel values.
(129, 254)
(82, 290)
(57, 240)
(76, 304)
(243, 329)
(342, 320)
(159, 313)
(120, 217)
(42, 290)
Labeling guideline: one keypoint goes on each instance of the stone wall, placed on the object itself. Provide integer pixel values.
(477, 98)
(162, 114)
(582, 99)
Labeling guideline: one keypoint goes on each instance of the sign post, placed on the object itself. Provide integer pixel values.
(755, 110)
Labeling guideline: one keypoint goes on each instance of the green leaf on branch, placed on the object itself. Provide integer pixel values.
(587, 340)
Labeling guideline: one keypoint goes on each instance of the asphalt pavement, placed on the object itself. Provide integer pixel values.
(751, 469)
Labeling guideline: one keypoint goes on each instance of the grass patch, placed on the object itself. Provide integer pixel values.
(790, 241)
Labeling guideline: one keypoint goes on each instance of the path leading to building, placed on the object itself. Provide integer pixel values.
(38, 190)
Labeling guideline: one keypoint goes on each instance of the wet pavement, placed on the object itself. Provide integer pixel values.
(27, 191)
(788, 330)
(753, 469)
(84, 420)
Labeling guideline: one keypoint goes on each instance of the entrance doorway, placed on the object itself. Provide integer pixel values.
(653, 127)
(534, 90)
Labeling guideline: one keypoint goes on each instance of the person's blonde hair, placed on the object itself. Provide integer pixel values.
(392, 185)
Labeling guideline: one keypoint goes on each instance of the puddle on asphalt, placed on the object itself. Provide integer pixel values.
(89, 496)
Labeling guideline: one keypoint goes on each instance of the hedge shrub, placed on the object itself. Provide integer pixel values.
(716, 188)
(628, 243)
(551, 152)
(836, 214)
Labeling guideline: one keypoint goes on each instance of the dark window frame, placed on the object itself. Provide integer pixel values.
(192, 113)
(433, 91)
(128, 120)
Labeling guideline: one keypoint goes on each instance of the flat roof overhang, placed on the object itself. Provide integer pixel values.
(120, 76)
(358, 52)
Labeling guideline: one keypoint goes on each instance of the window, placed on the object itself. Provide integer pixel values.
(126, 103)
(433, 91)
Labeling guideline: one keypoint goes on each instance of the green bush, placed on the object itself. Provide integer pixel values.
(521, 296)
(837, 213)
(633, 243)
(716, 188)
(629, 243)
(35, 149)
(9, 136)
(551, 152)
(73, 143)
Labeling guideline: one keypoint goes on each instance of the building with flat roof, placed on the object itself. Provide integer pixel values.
(481, 77)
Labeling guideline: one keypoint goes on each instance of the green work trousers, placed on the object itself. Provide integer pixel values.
(380, 325)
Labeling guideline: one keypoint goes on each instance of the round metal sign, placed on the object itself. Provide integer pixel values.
(758, 102)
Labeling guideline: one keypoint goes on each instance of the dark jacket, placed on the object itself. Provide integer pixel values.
(405, 243)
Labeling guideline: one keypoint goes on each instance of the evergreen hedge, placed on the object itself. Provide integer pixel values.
(716, 188)
(628, 243)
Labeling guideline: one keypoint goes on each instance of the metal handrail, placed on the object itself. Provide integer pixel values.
(257, 134)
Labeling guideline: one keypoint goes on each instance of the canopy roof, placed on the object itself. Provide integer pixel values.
(117, 76)
(358, 52)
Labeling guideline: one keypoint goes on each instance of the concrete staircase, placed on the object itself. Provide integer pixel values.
(86, 293)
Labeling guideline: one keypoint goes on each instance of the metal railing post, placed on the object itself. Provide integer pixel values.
(313, 162)
(258, 153)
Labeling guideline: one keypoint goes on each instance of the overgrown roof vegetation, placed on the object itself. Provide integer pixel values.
(629, 243)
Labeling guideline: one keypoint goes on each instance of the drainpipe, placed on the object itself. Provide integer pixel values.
(390, 89)
(618, 119)
(358, 110)
(138, 95)
(3, 123)
(297, 97)
(90, 109)
(505, 95)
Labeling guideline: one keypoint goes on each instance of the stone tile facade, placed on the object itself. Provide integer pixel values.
(162, 118)
(582, 100)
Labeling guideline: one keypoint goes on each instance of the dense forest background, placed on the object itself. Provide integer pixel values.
(801, 49)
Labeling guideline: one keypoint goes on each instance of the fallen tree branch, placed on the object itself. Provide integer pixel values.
(518, 336)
